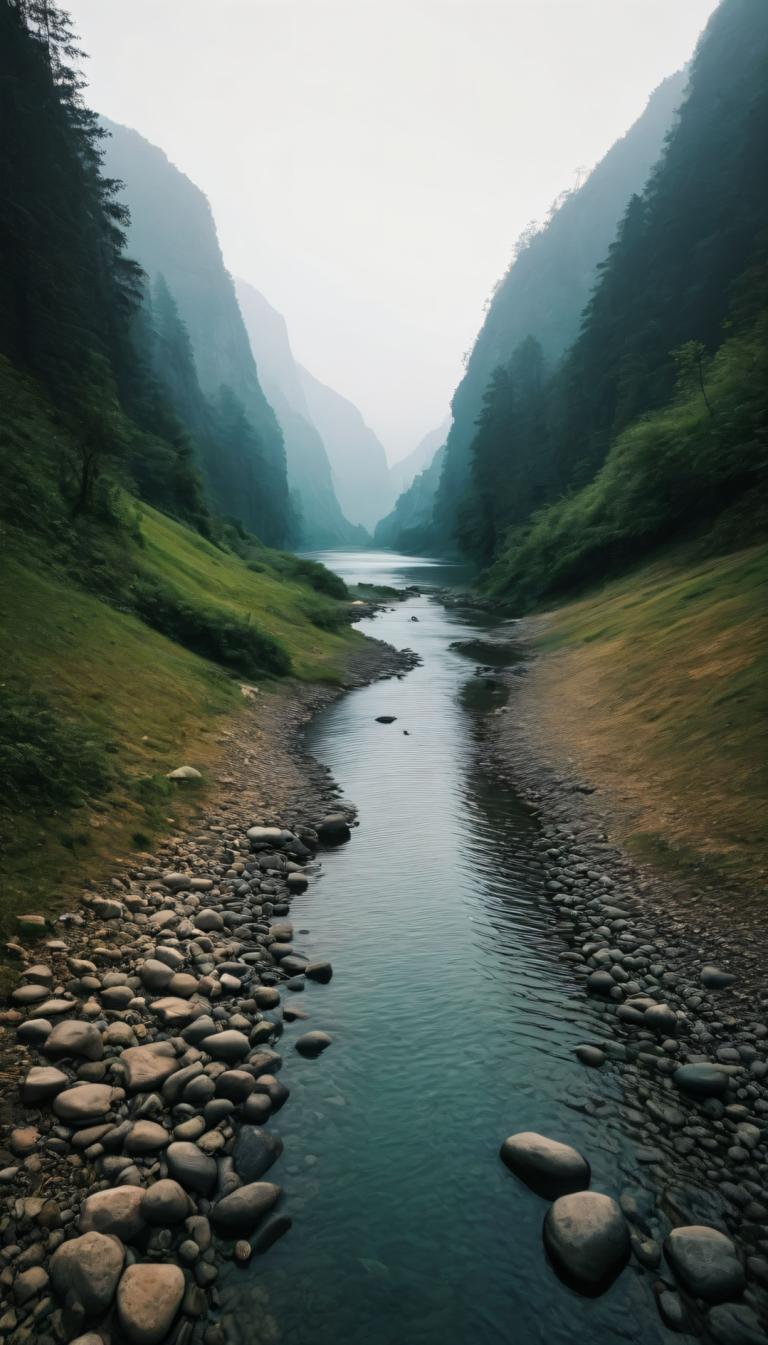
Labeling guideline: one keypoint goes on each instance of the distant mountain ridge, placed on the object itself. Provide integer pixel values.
(173, 233)
(321, 521)
(405, 471)
(358, 461)
(545, 290)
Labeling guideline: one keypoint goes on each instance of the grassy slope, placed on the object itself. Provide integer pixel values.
(658, 688)
(153, 704)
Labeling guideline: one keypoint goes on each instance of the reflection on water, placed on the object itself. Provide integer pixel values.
(454, 1024)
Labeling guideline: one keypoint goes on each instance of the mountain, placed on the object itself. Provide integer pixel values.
(321, 522)
(409, 526)
(172, 233)
(548, 284)
(655, 426)
(404, 472)
(358, 461)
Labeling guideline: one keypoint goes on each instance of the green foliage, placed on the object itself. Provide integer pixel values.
(667, 472)
(48, 761)
(315, 575)
(226, 639)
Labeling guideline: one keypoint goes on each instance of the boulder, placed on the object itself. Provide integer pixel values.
(255, 1151)
(148, 1298)
(74, 1038)
(191, 1167)
(184, 773)
(547, 1166)
(319, 971)
(704, 1260)
(148, 1067)
(89, 1267)
(238, 1214)
(334, 829)
(712, 978)
(175, 1013)
(165, 1203)
(42, 1083)
(209, 921)
(735, 1324)
(313, 1043)
(587, 1240)
(229, 1046)
(701, 1081)
(146, 1137)
(116, 1210)
(155, 974)
(81, 1105)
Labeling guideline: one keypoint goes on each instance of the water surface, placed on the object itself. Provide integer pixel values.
(454, 1025)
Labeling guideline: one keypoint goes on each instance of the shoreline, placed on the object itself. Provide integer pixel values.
(677, 987)
(137, 1053)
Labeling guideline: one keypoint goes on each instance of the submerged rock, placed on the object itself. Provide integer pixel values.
(705, 1262)
(547, 1166)
(587, 1239)
(238, 1214)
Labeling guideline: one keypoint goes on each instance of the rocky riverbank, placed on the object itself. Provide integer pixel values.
(685, 1013)
(139, 1061)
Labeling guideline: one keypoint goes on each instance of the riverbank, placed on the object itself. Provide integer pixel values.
(138, 1059)
(679, 975)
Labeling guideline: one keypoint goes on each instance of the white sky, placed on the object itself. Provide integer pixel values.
(370, 163)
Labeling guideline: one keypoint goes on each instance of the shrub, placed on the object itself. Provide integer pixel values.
(214, 634)
(46, 760)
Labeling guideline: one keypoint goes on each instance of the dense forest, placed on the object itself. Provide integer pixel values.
(653, 423)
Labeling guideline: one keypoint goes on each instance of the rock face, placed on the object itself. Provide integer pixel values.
(239, 1213)
(705, 1262)
(547, 1166)
(148, 1298)
(587, 1239)
(89, 1266)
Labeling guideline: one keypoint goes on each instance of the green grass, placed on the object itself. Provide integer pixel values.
(672, 662)
(97, 705)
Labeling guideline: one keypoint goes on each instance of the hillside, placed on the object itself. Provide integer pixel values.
(653, 683)
(409, 526)
(656, 425)
(358, 461)
(172, 234)
(321, 522)
(549, 281)
(404, 472)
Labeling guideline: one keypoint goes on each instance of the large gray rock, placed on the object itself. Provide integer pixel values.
(90, 1267)
(334, 829)
(42, 1083)
(146, 1137)
(701, 1081)
(229, 1046)
(191, 1167)
(147, 1067)
(266, 836)
(165, 1203)
(176, 1013)
(587, 1240)
(238, 1214)
(209, 921)
(155, 975)
(88, 1102)
(547, 1166)
(255, 1152)
(117, 1211)
(313, 1043)
(148, 1298)
(74, 1038)
(705, 1262)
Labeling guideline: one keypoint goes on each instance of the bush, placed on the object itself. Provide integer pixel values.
(46, 760)
(213, 634)
(310, 572)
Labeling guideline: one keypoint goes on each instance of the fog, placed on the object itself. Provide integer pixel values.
(371, 162)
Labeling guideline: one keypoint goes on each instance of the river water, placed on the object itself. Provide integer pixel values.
(454, 1024)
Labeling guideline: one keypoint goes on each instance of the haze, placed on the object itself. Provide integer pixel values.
(370, 163)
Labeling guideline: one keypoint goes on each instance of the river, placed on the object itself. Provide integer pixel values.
(454, 1024)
